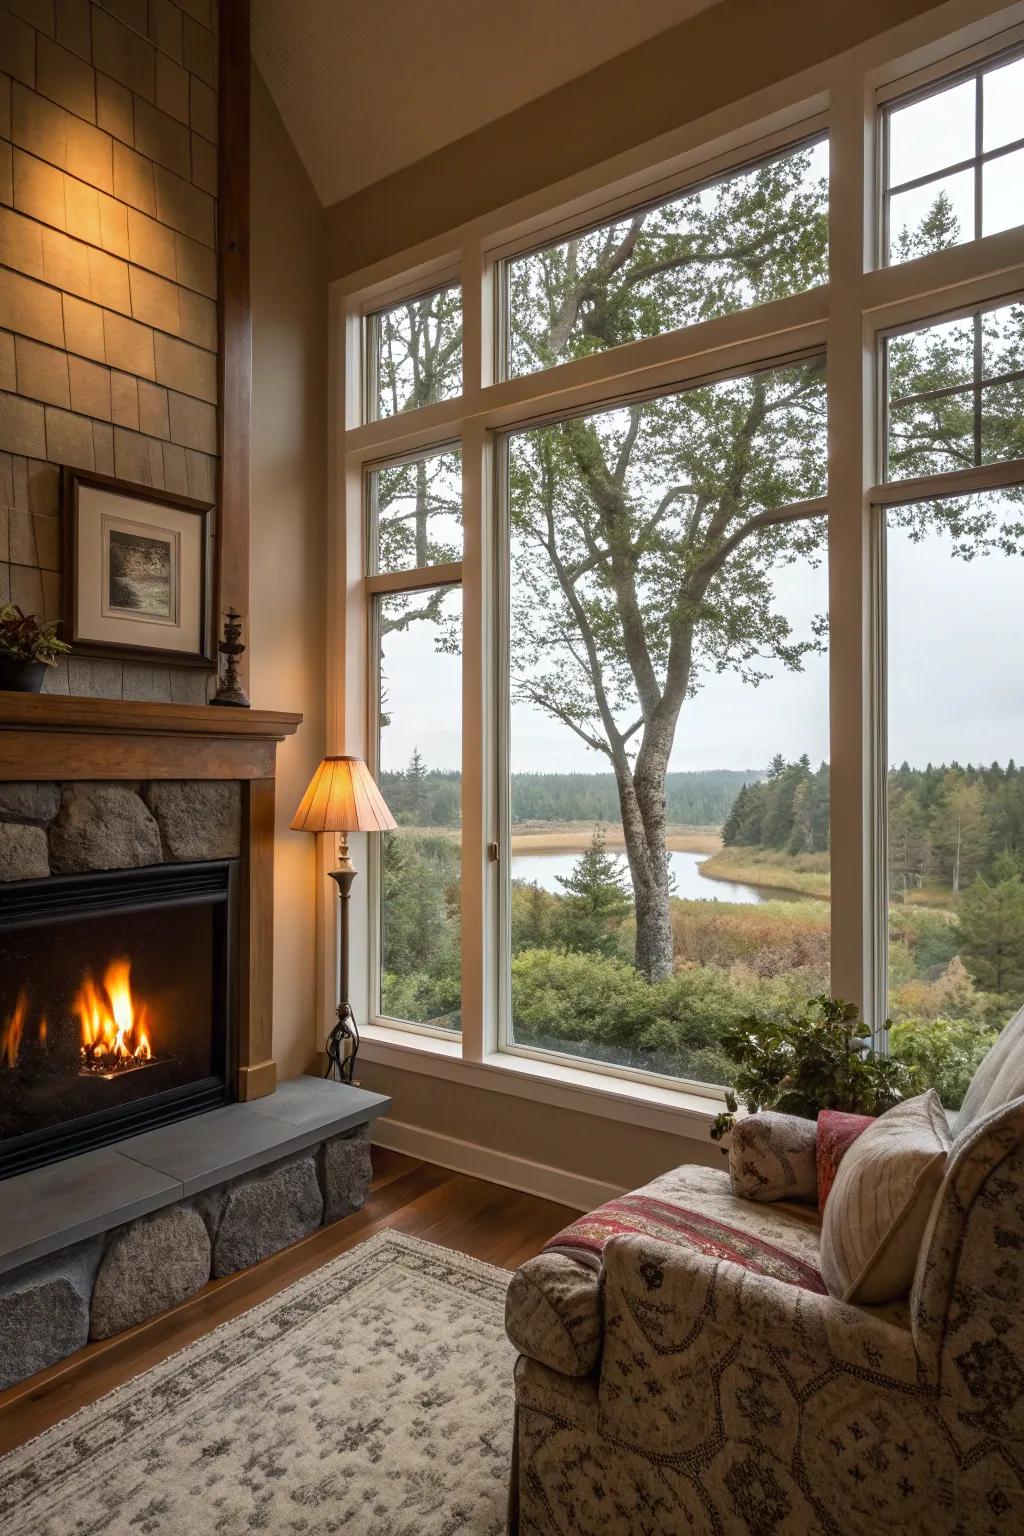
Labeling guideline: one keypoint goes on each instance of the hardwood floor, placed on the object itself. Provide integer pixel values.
(485, 1220)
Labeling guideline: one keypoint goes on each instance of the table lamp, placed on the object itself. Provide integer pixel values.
(343, 798)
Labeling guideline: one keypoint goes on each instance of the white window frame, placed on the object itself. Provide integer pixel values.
(423, 578)
(970, 66)
(862, 301)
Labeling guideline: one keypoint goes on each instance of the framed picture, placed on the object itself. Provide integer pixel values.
(136, 571)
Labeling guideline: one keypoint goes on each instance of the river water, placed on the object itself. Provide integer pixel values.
(543, 868)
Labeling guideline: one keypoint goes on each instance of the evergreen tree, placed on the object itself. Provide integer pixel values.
(597, 900)
(737, 821)
(992, 929)
(416, 778)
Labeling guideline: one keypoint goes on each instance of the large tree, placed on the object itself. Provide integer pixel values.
(644, 540)
(644, 543)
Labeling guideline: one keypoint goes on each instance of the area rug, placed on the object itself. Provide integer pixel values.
(373, 1397)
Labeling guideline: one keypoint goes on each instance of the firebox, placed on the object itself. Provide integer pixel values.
(116, 1005)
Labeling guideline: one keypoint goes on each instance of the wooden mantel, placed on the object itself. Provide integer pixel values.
(53, 737)
(123, 739)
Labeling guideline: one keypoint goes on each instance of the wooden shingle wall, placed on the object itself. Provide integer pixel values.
(108, 279)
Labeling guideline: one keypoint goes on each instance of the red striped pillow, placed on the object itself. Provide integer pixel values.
(837, 1132)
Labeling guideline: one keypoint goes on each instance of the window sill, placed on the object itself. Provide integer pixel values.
(678, 1112)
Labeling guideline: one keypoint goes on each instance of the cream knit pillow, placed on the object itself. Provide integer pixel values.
(880, 1202)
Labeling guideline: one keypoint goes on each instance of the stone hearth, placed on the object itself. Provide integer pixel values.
(207, 1197)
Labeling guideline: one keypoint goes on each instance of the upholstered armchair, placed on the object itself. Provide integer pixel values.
(667, 1389)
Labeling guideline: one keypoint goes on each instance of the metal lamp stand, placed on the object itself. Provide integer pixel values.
(346, 1028)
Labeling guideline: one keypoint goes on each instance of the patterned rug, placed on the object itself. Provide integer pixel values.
(374, 1398)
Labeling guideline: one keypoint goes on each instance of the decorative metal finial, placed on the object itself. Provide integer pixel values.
(229, 689)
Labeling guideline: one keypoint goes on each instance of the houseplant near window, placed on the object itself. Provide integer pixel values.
(817, 1059)
(27, 648)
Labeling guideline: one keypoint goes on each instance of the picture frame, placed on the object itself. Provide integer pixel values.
(136, 571)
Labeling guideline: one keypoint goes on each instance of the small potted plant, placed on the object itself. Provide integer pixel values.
(27, 648)
(819, 1058)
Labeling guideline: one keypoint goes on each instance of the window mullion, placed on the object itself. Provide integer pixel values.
(852, 449)
(979, 146)
(477, 327)
(479, 883)
(977, 388)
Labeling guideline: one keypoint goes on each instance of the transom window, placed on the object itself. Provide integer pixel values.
(758, 234)
(954, 162)
(414, 353)
(654, 770)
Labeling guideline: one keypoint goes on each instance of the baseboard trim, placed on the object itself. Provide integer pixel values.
(530, 1178)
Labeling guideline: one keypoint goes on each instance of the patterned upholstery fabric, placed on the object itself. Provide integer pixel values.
(554, 1312)
(729, 1403)
(881, 1201)
(837, 1132)
(772, 1157)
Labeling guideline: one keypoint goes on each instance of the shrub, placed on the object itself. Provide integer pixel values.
(942, 1053)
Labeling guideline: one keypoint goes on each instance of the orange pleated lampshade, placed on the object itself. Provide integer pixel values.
(342, 797)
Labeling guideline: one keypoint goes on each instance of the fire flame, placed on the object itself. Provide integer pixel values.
(114, 1027)
(10, 1035)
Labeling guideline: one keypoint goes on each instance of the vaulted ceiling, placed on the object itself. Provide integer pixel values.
(366, 87)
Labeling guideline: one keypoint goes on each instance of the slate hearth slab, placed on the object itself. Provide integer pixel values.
(212, 1148)
(50, 1208)
(318, 1104)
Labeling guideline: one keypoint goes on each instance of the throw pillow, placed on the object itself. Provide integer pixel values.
(771, 1157)
(881, 1200)
(837, 1132)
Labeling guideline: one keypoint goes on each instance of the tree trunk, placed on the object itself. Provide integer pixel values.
(422, 552)
(642, 806)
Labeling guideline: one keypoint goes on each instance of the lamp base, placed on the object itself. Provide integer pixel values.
(343, 1045)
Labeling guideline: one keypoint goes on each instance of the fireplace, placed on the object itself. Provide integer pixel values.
(116, 1005)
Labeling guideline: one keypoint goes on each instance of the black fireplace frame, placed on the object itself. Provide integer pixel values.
(34, 903)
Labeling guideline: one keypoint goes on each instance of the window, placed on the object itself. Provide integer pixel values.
(414, 554)
(415, 510)
(955, 569)
(954, 162)
(415, 353)
(667, 604)
(672, 775)
(756, 235)
(956, 394)
(419, 757)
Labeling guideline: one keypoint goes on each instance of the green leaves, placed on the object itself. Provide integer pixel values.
(758, 235)
(818, 1059)
(23, 636)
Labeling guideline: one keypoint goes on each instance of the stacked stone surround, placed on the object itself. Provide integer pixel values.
(112, 1282)
(108, 281)
(64, 829)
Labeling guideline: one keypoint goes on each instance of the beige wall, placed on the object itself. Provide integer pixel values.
(716, 57)
(108, 281)
(289, 320)
(610, 1151)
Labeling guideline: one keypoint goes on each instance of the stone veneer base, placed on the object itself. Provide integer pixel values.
(102, 1242)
